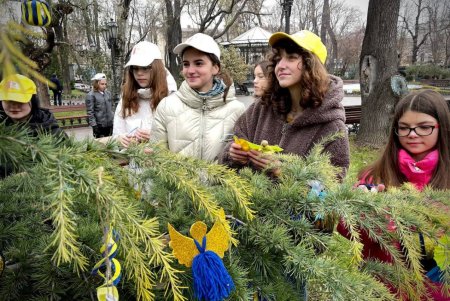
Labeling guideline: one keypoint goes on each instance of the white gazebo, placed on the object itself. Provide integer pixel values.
(252, 44)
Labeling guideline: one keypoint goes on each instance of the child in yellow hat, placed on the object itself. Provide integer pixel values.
(19, 104)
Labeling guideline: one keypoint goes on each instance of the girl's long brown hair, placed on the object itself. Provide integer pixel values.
(386, 170)
(314, 81)
(158, 86)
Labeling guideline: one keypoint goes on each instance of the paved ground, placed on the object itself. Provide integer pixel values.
(82, 133)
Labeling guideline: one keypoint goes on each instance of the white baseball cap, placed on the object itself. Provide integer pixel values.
(143, 54)
(99, 76)
(199, 41)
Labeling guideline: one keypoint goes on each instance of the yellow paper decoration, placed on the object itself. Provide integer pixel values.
(184, 248)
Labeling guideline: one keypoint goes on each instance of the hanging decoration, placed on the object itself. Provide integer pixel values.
(36, 13)
(109, 269)
(204, 252)
(399, 85)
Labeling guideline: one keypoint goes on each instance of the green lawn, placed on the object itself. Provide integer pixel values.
(70, 113)
(360, 156)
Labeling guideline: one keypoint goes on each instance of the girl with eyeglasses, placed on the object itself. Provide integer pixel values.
(417, 152)
(146, 83)
(418, 146)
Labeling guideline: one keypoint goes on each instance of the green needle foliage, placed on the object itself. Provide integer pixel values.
(62, 195)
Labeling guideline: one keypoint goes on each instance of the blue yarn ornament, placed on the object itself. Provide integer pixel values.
(211, 279)
(36, 13)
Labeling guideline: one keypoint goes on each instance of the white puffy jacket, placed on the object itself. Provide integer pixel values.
(196, 126)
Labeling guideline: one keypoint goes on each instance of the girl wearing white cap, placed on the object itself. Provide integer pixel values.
(301, 106)
(196, 120)
(99, 107)
(146, 83)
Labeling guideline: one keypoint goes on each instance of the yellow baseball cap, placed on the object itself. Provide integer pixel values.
(305, 39)
(16, 87)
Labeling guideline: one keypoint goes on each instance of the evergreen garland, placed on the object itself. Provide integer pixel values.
(54, 207)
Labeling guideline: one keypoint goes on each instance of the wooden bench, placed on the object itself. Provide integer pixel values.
(67, 122)
(441, 83)
(70, 108)
(353, 117)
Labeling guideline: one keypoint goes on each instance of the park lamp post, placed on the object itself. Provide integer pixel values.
(88, 53)
(109, 33)
(287, 5)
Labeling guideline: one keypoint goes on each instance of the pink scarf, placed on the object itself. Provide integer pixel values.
(418, 173)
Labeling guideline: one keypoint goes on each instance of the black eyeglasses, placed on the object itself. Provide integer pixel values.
(140, 68)
(422, 130)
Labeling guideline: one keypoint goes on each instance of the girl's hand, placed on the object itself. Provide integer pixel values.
(372, 188)
(261, 161)
(125, 140)
(237, 154)
(142, 135)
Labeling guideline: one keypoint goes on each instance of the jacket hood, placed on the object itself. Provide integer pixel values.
(191, 98)
(331, 109)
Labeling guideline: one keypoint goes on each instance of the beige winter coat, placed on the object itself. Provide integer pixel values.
(195, 126)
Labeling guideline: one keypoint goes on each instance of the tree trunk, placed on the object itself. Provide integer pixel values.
(378, 63)
(325, 21)
(43, 94)
(173, 35)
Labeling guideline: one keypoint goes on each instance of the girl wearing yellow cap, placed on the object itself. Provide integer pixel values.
(301, 106)
(19, 104)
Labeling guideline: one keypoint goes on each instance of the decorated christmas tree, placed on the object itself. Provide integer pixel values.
(65, 199)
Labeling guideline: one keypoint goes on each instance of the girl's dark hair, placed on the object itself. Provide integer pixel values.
(35, 105)
(223, 75)
(264, 67)
(386, 170)
(314, 80)
(158, 85)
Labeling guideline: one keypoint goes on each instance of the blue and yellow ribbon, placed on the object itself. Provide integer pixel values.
(108, 291)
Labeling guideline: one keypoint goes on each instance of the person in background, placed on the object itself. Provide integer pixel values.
(99, 107)
(20, 106)
(57, 90)
(417, 152)
(261, 81)
(146, 83)
(195, 120)
(300, 107)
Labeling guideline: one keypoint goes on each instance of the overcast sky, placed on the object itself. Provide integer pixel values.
(361, 4)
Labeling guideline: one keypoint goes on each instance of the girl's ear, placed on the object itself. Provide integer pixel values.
(216, 70)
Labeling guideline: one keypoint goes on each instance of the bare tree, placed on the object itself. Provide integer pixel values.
(216, 17)
(438, 24)
(415, 25)
(173, 33)
(378, 63)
